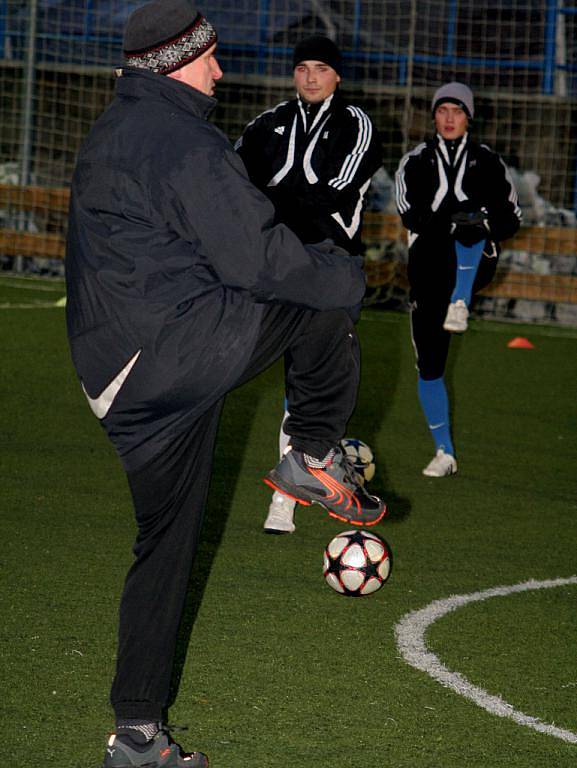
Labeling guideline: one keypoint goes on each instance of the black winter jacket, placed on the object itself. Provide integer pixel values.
(430, 188)
(316, 178)
(171, 254)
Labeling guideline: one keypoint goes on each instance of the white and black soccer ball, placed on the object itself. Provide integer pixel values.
(362, 457)
(357, 563)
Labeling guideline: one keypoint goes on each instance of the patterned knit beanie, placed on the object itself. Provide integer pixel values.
(164, 35)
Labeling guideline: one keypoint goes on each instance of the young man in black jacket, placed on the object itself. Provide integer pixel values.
(180, 288)
(457, 201)
(313, 157)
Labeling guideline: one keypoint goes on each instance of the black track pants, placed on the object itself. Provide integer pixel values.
(430, 340)
(169, 493)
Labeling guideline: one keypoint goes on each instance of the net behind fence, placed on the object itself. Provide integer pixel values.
(57, 63)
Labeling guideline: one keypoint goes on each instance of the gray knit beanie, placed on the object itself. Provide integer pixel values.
(454, 93)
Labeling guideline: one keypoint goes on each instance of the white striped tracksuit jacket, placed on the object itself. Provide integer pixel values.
(315, 163)
(435, 180)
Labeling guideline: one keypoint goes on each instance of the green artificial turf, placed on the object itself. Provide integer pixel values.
(279, 670)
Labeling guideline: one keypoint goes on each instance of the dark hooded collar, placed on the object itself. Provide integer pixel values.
(141, 83)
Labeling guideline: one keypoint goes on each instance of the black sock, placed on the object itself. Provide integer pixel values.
(138, 731)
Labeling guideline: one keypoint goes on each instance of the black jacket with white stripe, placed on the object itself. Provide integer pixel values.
(436, 180)
(315, 165)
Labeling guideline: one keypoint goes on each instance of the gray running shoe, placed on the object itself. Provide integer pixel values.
(336, 487)
(159, 752)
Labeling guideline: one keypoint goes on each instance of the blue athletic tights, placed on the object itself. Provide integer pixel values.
(435, 405)
(468, 260)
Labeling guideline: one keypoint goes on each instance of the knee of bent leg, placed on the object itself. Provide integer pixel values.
(431, 367)
(431, 372)
(334, 322)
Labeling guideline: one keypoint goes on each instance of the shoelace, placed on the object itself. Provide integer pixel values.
(173, 727)
(168, 729)
(351, 474)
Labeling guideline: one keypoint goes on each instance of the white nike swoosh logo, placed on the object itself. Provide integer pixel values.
(436, 426)
(101, 405)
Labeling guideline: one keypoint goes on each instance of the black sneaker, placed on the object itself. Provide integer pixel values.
(336, 487)
(159, 752)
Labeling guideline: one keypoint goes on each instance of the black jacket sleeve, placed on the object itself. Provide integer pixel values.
(504, 214)
(232, 221)
(250, 148)
(413, 180)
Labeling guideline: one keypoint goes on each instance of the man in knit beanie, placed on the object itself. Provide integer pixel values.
(180, 288)
(313, 157)
(457, 201)
(165, 35)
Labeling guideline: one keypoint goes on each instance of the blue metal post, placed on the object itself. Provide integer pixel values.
(3, 19)
(402, 70)
(451, 30)
(550, 59)
(89, 20)
(356, 30)
(263, 20)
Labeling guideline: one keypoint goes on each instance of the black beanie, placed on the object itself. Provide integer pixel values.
(164, 35)
(318, 48)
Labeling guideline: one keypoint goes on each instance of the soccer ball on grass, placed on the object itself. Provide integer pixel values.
(362, 457)
(357, 563)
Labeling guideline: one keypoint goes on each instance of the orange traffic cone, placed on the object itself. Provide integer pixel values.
(520, 342)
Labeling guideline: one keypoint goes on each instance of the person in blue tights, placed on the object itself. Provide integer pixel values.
(458, 202)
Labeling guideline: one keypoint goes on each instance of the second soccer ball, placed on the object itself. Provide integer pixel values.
(362, 457)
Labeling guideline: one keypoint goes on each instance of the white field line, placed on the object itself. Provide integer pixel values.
(54, 285)
(39, 305)
(410, 635)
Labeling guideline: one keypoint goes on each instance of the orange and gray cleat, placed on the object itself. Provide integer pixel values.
(159, 752)
(336, 487)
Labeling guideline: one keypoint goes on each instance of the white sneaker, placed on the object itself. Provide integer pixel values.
(457, 316)
(280, 515)
(441, 465)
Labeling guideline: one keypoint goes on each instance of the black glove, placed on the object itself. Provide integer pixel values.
(470, 227)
